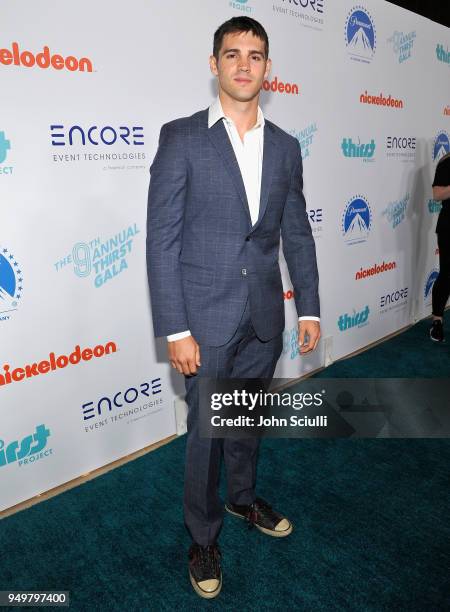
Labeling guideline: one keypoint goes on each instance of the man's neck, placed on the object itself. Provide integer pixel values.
(243, 114)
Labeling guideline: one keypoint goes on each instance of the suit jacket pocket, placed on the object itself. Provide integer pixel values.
(199, 275)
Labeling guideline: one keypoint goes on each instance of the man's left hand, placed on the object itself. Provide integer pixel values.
(308, 335)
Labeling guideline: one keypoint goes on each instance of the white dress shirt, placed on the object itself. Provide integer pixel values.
(249, 155)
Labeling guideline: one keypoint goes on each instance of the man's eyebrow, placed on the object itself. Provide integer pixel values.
(251, 52)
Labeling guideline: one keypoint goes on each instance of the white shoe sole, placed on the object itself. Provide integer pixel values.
(201, 592)
(271, 532)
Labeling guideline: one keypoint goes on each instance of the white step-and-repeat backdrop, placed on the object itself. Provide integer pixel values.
(365, 89)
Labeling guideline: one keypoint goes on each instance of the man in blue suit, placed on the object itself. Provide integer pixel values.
(225, 183)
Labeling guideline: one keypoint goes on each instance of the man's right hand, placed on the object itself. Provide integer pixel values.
(184, 355)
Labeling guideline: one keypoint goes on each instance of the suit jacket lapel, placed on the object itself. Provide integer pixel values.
(219, 137)
(269, 161)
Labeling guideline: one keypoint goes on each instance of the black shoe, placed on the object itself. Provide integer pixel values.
(261, 515)
(204, 570)
(437, 331)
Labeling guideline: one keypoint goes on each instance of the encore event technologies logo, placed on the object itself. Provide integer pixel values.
(15, 56)
(308, 12)
(28, 450)
(356, 220)
(11, 284)
(360, 35)
(441, 146)
(95, 143)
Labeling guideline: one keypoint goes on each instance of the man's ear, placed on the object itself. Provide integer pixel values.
(213, 65)
(268, 68)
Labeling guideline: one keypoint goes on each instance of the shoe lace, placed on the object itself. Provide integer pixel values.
(209, 557)
(259, 509)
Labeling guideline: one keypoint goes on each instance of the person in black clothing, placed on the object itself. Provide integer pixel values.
(441, 287)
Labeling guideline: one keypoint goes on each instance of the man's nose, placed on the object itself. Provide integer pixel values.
(244, 65)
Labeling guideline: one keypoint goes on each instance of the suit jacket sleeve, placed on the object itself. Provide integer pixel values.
(298, 245)
(166, 201)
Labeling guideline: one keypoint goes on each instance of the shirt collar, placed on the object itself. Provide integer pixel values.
(215, 112)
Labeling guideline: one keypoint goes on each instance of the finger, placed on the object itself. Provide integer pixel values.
(301, 336)
(197, 356)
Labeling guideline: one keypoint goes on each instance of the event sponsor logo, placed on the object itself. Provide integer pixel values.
(360, 35)
(305, 138)
(28, 450)
(103, 140)
(395, 211)
(290, 342)
(447, 111)
(356, 220)
(441, 146)
(308, 12)
(380, 100)
(428, 287)
(442, 55)
(241, 5)
(277, 86)
(289, 294)
(45, 59)
(401, 148)
(11, 284)
(104, 259)
(364, 151)
(396, 299)
(315, 216)
(402, 44)
(434, 207)
(11, 375)
(375, 269)
(356, 319)
(5, 146)
(133, 404)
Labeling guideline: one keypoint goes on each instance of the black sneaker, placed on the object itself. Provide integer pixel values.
(204, 570)
(263, 517)
(437, 331)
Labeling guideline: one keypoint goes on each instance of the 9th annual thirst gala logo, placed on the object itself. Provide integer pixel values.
(26, 451)
(360, 35)
(428, 287)
(356, 220)
(441, 146)
(5, 146)
(106, 258)
(395, 211)
(402, 44)
(10, 284)
(305, 138)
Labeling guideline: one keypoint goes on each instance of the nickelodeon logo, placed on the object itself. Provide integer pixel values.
(44, 59)
(278, 86)
(12, 375)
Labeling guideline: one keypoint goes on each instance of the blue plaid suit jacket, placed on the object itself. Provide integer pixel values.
(204, 257)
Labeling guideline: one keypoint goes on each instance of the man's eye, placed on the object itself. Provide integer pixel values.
(256, 57)
(231, 55)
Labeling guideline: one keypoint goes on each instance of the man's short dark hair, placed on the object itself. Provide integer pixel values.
(239, 24)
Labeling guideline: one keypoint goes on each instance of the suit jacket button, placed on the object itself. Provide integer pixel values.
(244, 272)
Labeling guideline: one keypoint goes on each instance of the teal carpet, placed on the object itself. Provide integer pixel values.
(371, 518)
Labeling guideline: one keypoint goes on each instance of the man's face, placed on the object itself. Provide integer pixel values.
(242, 66)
